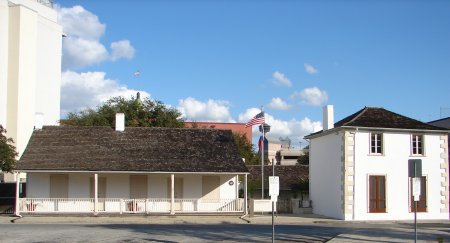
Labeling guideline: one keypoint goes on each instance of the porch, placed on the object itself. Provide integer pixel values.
(129, 206)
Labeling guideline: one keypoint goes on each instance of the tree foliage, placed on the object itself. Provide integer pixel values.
(245, 148)
(303, 159)
(8, 152)
(145, 113)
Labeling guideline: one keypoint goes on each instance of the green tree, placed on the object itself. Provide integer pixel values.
(303, 159)
(245, 148)
(138, 113)
(8, 152)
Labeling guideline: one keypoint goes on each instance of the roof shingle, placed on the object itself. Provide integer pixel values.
(83, 148)
(374, 117)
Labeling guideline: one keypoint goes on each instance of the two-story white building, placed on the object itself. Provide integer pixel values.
(359, 167)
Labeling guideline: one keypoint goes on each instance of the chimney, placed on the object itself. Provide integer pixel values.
(328, 117)
(120, 122)
(38, 120)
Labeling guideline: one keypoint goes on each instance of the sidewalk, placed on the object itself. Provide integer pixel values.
(163, 219)
(287, 219)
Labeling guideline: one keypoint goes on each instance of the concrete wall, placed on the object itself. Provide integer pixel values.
(325, 174)
(118, 185)
(30, 67)
(342, 192)
(394, 165)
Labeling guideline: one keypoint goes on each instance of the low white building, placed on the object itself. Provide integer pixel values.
(98, 170)
(359, 167)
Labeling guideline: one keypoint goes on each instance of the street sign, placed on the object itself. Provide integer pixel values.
(415, 167)
(274, 186)
(416, 188)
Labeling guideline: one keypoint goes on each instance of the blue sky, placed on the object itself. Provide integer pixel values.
(222, 60)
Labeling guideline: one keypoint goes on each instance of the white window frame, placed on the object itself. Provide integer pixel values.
(415, 145)
(378, 135)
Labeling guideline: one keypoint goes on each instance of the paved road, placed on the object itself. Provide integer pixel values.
(212, 230)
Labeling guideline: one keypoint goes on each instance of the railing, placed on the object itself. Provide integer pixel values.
(48, 3)
(117, 205)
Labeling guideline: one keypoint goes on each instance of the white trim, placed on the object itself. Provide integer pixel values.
(132, 172)
(405, 130)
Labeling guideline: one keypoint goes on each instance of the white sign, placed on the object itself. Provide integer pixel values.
(274, 186)
(416, 188)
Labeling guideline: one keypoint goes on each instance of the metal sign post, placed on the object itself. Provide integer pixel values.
(274, 189)
(415, 172)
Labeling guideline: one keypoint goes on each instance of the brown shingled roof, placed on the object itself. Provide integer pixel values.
(291, 176)
(381, 118)
(72, 148)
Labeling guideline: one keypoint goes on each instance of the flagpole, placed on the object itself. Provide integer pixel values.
(262, 159)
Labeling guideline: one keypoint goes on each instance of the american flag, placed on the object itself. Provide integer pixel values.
(258, 119)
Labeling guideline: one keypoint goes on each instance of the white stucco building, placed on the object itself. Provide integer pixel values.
(30, 67)
(94, 170)
(359, 167)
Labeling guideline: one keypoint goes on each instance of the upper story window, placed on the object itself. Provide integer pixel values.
(376, 143)
(417, 144)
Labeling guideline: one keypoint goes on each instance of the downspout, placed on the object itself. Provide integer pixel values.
(245, 201)
(172, 194)
(17, 204)
(95, 194)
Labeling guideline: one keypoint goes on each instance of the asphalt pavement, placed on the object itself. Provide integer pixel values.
(209, 228)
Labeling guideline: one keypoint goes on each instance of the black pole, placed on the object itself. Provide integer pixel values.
(415, 221)
(273, 206)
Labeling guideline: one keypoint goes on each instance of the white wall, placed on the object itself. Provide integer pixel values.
(394, 165)
(325, 168)
(4, 26)
(30, 67)
(118, 185)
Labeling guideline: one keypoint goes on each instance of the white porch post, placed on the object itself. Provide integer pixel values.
(245, 195)
(172, 193)
(95, 194)
(17, 209)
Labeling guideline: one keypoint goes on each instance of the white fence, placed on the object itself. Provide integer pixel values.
(118, 205)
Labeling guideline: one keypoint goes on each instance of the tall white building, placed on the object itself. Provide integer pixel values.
(30, 67)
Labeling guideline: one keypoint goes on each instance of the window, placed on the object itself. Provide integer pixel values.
(417, 144)
(377, 194)
(138, 186)
(376, 143)
(210, 187)
(59, 186)
(422, 203)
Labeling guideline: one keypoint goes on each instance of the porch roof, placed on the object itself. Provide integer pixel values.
(86, 148)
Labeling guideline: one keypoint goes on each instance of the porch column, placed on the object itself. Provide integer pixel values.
(17, 204)
(95, 194)
(172, 193)
(245, 195)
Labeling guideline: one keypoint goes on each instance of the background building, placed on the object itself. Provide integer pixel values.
(30, 68)
(234, 127)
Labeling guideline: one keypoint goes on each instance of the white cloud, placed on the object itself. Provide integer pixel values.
(278, 104)
(121, 49)
(211, 110)
(311, 96)
(310, 69)
(294, 129)
(78, 52)
(81, 23)
(82, 46)
(87, 90)
(281, 79)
